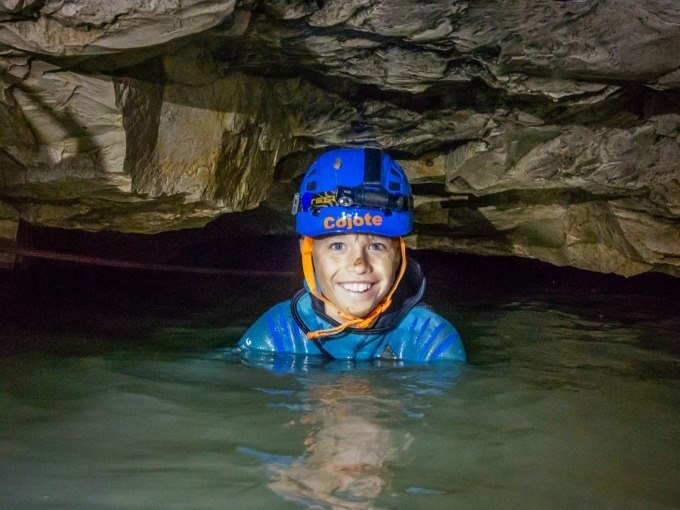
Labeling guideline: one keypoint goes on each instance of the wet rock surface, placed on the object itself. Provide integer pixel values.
(545, 129)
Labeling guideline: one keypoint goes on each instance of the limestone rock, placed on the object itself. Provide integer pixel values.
(547, 130)
(9, 221)
(91, 27)
(9, 227)
(218, 142)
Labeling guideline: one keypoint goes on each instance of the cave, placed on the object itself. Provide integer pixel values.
(150, 151)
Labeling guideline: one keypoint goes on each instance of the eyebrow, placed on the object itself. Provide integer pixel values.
(370, 237)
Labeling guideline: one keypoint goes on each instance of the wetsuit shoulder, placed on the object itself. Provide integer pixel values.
(423, 335)
(276, 331)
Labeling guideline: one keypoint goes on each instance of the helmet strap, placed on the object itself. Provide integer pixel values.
(306, 248)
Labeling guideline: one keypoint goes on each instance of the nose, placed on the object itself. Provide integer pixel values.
(359, 261)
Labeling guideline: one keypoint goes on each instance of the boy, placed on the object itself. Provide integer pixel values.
(362, 295)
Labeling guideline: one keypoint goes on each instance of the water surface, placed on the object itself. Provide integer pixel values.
(122, 390)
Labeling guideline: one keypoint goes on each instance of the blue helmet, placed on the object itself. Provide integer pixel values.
(352, 190)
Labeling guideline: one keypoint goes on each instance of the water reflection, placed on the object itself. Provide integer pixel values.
(347, 449)
(352, 433)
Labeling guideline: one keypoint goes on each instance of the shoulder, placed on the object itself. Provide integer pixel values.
(266, 333)
(276, 330)
(430, 336)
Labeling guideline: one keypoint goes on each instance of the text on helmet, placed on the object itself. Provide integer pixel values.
(348, 221)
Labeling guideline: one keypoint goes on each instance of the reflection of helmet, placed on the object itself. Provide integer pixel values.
(360, 191)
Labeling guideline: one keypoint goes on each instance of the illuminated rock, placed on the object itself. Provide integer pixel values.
(547, 130)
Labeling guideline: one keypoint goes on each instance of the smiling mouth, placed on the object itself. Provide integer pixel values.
(357, 287)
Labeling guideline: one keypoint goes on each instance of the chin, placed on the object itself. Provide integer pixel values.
(359, 312)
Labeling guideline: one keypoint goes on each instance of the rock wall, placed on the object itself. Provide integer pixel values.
(544, 129)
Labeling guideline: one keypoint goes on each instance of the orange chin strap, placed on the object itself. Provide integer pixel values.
(350, 320)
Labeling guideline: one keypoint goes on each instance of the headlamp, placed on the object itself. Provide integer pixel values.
(360, 196)
(372, 197)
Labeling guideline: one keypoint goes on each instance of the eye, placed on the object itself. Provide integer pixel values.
(377, 246)
(336, 246)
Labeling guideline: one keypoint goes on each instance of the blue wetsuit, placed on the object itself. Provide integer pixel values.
(408, 331)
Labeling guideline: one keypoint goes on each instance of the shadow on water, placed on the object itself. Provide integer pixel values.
(93, 309)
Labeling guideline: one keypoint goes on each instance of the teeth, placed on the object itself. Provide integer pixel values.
(356, 287)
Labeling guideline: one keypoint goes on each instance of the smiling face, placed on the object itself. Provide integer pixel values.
(355, 271)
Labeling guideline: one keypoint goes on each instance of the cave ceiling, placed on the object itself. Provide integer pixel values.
(542, 129)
